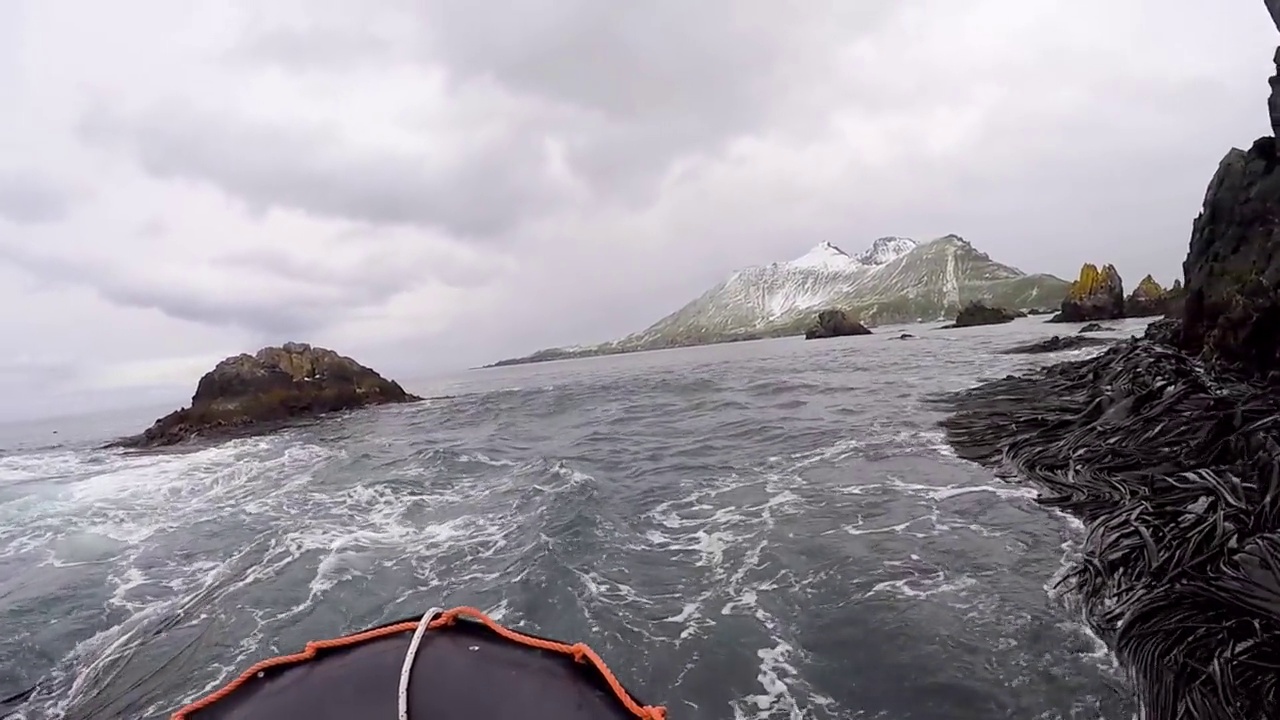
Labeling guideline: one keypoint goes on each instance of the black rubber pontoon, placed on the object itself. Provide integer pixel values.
(465, 667)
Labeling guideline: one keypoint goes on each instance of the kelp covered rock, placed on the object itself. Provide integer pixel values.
(835, 323)
(1147, 299)
(1167, 448)
(274, 385)
(1095, 295)
(1095, 327)
(1176, 476)
(1057, 343)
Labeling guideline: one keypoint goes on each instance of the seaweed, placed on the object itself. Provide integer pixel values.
(1175, 472)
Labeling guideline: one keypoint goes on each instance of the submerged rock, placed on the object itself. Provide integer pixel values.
(1056, 343)
(979, 313)
(274, 385)
(834, 323)
(1095, 327)
(1147, 299)
(1095, 295)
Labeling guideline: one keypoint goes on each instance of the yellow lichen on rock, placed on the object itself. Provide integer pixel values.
(1088, 282)
(1148, 287)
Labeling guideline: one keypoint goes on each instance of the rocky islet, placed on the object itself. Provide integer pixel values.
(834, 323)
(249, 393)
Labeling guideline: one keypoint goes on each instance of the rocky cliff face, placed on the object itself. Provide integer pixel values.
(1095, 295)
(273, 385)
(1231, 313)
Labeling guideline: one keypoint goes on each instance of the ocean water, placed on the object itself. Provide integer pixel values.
(772, 529)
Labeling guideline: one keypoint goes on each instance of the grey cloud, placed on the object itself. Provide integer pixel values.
(29, 198)
(628, 88)
(273, 312)
(309, 170)
(315, 49)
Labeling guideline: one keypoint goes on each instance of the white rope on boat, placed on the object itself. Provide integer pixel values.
(403, 702)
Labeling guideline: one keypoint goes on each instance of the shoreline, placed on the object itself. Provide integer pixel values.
(1174, 470)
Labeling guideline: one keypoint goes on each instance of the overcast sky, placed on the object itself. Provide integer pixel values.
(428, 185)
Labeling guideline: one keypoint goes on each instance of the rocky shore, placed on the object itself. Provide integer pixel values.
(1168, 449)
(251, 393)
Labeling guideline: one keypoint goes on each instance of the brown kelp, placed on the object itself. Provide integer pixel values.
(1175, 473)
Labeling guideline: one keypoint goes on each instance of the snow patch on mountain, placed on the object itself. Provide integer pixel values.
(824, 256)
(886, 249)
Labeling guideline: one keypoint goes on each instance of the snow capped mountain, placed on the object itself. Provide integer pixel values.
(894, 280)
(824, 256)
(885, 249)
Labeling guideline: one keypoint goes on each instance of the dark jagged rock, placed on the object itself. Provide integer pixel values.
(1095, 327)
(1095, 295)
(1273, 100)
(277, 384)
(835, 323)
(1147, 299)
(1174, 299)
(1056, 343)
(1041, 311)
(979, 313)
(905, 336)
(1231, 313)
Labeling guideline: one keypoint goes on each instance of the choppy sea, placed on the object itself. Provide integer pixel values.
(772, 529)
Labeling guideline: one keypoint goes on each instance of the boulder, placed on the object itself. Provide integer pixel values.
(835, 323)
(1231, 314)
(1056, 343)
(979, 313)
(1095, 327)
(1147, 299)
(244, 393)
(1095, 295)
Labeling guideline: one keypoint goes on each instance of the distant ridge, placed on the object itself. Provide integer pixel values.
(896, 279)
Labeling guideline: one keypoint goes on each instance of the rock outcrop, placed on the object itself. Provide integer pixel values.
(1174, 299)
(1095, 327)
(1231, 314)
(248, 392)
(1147, 299)
(979, 313)
(1057, 343)
(835, 323)
(1095, 295)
